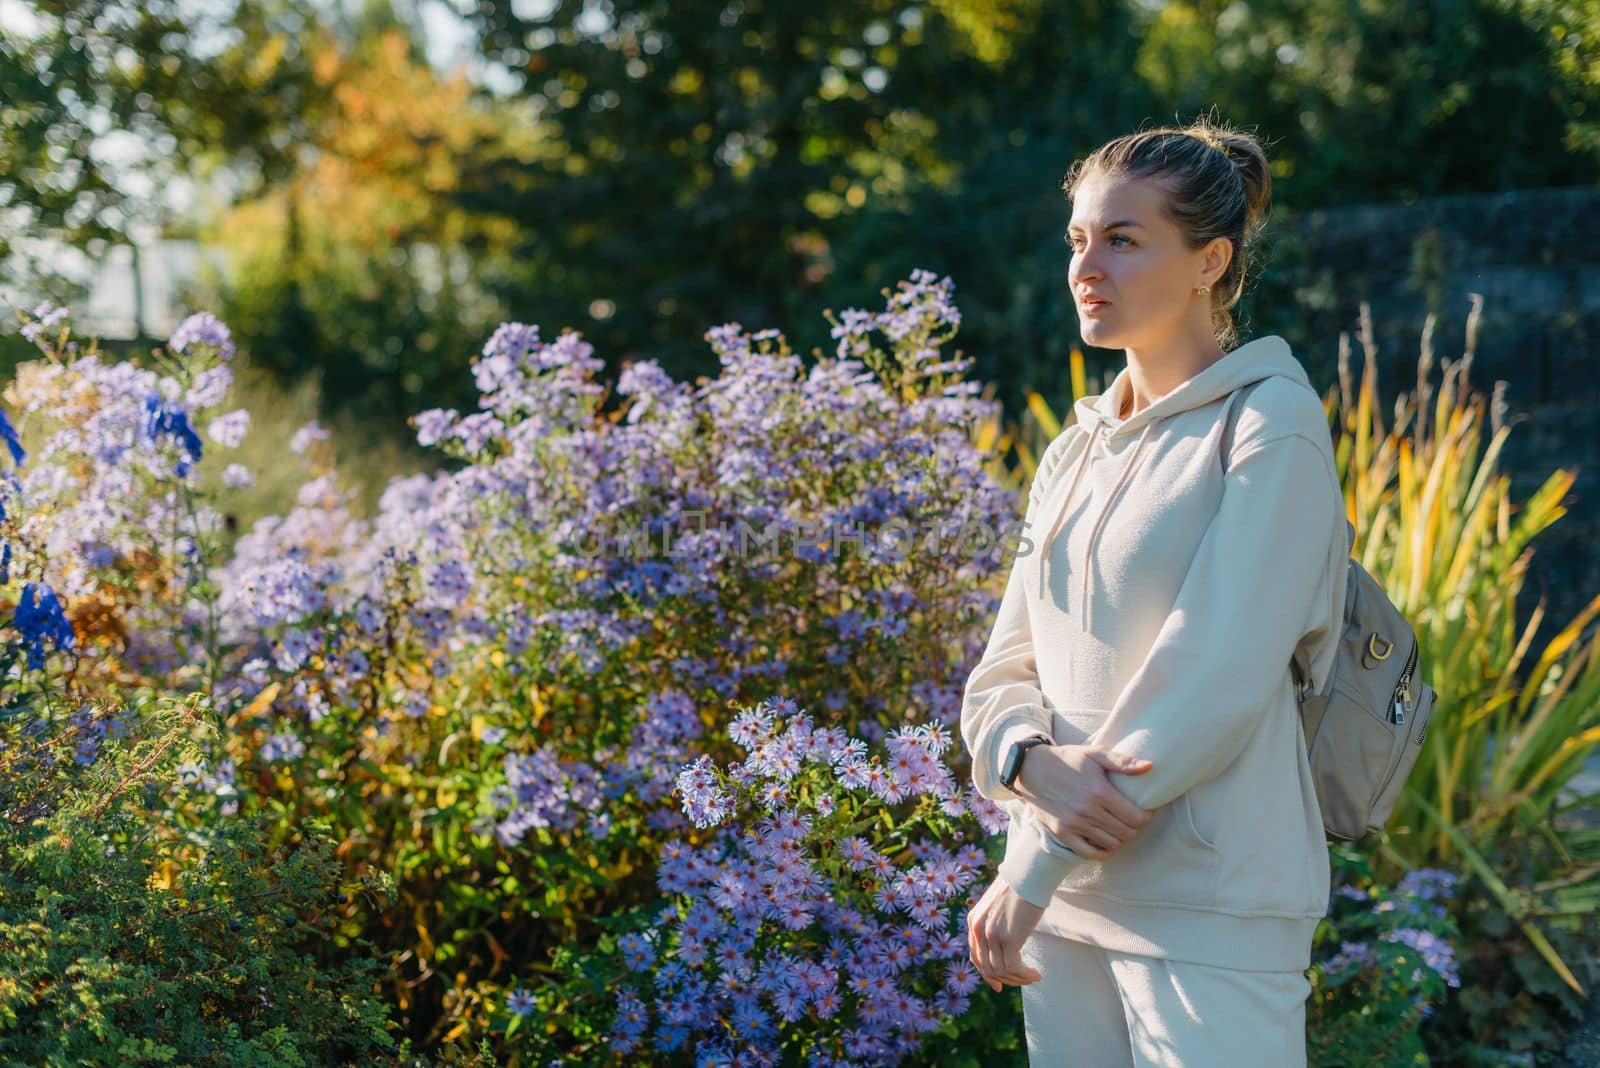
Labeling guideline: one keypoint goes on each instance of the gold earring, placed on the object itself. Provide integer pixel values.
(1204, 290)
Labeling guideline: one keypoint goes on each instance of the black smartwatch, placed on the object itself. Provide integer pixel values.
(1012, 766)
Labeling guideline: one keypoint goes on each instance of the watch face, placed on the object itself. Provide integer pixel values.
(1013, 762)
(1012, 765)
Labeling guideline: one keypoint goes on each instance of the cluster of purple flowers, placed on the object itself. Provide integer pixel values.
(550, 479)
(45, 318)
(543, 791)
(202, 328)
(1428, 884)
(91, 728)
(526, 558)
(103, 490)
(784, 926)
(1436, 953)
(217, 782)
(1416, 904)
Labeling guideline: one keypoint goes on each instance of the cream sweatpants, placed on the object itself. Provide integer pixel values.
(1099, 1008)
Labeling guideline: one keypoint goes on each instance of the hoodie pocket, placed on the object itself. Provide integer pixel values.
(1166, 863)
(1188, 816)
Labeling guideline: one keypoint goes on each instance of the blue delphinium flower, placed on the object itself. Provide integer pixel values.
(162, 420)
(13, 442)
(40, 617)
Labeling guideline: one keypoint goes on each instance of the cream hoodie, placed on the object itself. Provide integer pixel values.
(1156, 615)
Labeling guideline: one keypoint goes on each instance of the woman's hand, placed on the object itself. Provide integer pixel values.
(996, 928)
(1070, 793)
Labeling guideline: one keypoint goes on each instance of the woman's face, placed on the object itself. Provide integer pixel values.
(1127, 253)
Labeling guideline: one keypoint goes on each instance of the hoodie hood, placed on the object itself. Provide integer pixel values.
(1097, 418)
(1262, 358)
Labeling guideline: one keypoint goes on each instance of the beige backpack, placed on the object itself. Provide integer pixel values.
(1365, 730)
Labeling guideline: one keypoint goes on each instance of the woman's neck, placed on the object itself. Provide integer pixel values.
(1125, 409)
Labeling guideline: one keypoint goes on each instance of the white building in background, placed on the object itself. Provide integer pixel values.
(126, 292)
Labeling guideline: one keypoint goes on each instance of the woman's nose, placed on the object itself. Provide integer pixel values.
(1085, 268)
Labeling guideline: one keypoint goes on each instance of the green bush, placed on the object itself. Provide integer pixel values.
(125, 943)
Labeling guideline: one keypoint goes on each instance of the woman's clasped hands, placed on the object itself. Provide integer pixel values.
(1069, 793)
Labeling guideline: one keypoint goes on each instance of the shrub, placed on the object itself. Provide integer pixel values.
(1383, 959)
(821, 921)
(122, 945)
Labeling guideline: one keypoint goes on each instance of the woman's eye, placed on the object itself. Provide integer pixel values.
(1114, 237)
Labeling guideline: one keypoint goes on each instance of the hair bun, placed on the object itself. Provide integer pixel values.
(1249, 159)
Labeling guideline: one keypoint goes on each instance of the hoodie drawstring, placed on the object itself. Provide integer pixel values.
(1105, 510)
(1077, 475)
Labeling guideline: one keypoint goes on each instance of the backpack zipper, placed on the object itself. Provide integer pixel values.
(1398, 715)
(1402, 690)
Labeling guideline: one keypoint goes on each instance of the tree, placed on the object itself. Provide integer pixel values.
(358, 265)
(107, 106)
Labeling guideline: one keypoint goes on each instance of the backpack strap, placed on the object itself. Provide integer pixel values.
(1228, 420)
(1299, 662)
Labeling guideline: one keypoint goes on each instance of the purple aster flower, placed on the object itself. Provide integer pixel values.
(433, 424)
(210, 388)
(637, 954)
(283, 745)
(520, 1001)
(303, 438)
(229, 430)
(1436, 953)
(45, 317)
(202, 328)
(1428, 883)
(1357, 954)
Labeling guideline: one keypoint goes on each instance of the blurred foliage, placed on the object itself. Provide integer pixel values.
(1381, 102)
(693, 163)
(360, 266)
(104, 102)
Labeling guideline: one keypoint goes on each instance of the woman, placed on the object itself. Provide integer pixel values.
(1165, 863)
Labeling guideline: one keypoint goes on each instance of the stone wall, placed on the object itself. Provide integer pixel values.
(1534, 255)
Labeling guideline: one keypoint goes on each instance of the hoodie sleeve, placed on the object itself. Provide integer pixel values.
(1002, 701)
(1259, 582)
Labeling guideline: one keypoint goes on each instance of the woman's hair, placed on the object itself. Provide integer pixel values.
(1218, 185)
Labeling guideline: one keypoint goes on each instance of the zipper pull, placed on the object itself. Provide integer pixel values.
(1398, 714)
